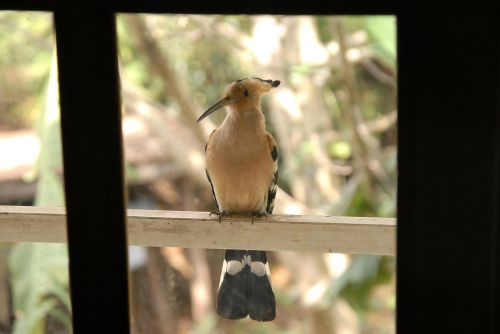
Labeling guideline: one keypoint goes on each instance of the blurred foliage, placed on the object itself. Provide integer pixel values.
(357, 282)
(39, 275)
(39, 272)
(381, 30)
(383, 34)
(340, 150)
(199, 57)
(192, 42)
(24, 66)
(186, 46)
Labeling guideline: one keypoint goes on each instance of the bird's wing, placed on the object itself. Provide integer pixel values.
(208, 175)
(213, 191)
(271, 194)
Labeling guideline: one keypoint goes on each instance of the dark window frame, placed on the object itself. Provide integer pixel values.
(448, 235)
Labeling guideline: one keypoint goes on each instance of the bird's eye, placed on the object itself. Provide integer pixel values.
(245, 92)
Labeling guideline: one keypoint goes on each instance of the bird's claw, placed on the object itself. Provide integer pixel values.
(252, 215)
(258, 215)
(219, 214)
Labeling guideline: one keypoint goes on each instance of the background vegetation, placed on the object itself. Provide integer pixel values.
(333, 117)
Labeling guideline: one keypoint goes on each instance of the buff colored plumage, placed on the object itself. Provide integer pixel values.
(241, 166)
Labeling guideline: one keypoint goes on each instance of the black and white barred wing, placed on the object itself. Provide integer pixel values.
(273, 187)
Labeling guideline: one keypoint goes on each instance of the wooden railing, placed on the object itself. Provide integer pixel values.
(190, 229)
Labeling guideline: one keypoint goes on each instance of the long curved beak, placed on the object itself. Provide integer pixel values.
(221, 104)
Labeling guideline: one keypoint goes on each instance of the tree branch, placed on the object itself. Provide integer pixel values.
(159, 64)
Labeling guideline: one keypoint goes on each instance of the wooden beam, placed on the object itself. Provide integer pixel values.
(157, 228)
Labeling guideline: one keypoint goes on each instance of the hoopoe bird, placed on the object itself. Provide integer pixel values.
(242, 169)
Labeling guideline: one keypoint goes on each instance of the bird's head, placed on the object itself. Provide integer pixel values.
(243, 93)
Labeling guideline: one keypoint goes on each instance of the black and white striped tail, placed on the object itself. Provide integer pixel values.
(245, 287)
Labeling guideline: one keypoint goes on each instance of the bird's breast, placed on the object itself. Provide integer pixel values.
(241, 172)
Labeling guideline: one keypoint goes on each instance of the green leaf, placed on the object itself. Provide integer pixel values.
(359, 280)
(50, 189)
(61, 316)
(31, 322)
(39, 272)
(340, 150)
(32, 267)
(382, 30)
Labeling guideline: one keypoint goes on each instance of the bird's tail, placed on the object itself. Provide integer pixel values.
(245, 287)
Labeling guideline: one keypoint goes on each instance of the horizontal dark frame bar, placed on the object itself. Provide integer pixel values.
(28, 5)
(312, 7)
(260, 7)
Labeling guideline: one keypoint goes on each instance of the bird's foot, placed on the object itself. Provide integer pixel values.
(253, 215)
(219, 214)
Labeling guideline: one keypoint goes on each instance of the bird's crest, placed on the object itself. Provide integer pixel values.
(274, 83)
(242, 92)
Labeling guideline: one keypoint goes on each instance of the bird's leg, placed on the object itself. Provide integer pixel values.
(222, 214)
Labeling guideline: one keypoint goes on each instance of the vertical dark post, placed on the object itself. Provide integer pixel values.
(93, 166)
(448, 164)
(495, 235)
(406, 229)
